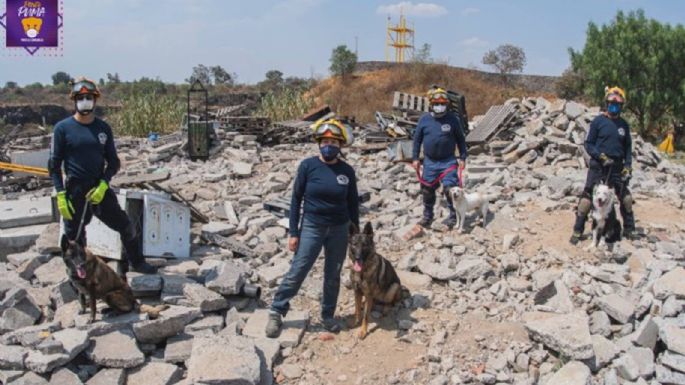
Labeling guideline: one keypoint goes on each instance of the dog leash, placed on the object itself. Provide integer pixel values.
(83, 217)
(442, 175)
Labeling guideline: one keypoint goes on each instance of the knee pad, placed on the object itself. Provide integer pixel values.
(428, 194)
(584, 206)
(627, 203)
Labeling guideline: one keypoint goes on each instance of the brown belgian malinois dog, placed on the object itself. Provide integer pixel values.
(91, 276)
(373, 277)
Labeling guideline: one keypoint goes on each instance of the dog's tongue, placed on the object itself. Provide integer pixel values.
(81, 272)
(357, 266)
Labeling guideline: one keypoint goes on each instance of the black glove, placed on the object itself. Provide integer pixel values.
(605, 160)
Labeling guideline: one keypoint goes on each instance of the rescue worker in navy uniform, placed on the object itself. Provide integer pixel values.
(440, 131)
(85, 145)
(609, 145)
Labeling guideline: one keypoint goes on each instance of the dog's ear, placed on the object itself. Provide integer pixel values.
(368, 228)
(353, 229)
(64, 243)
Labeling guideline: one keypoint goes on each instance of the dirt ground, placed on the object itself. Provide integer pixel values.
(345, 359)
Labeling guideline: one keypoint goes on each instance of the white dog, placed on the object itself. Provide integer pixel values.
(463, 203)
(605, 224)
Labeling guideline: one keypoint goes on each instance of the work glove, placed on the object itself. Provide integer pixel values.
(605, 160)
(626, 173)
(97, 194)
(66, 209)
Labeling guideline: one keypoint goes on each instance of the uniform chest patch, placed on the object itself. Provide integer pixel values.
(343, 180)
(445, 128)
(621, 131)
(102, 137)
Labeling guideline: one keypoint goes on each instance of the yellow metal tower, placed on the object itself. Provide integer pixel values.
(401, 38)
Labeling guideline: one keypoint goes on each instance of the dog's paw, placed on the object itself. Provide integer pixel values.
(362, 334)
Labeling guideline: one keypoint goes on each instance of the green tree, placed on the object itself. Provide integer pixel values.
(60, 77)
(10, 85)
(640, 55)
(221, 76)
(506, 59)
(343, 61)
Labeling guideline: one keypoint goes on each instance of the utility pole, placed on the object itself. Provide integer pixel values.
(356, 41)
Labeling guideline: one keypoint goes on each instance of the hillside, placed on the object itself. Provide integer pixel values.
(371, 87)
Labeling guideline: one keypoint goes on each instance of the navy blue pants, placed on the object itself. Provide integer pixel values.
(108, 211)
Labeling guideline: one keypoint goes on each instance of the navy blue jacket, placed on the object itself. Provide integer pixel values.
(611, 137)
(329, 192)
(87, 151)
(439, 136)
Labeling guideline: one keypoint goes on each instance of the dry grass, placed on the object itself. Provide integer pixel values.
(363, 94)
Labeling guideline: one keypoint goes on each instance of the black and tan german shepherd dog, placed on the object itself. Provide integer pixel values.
(92, 277)
(373, 277)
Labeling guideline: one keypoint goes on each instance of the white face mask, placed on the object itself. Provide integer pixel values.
(85, 105)
(439, 108)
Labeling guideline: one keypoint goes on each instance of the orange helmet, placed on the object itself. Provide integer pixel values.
(614, 94)
(83, 86)
(334, 129)
(437, 96)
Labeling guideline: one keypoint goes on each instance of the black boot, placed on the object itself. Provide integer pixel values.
(143, 268)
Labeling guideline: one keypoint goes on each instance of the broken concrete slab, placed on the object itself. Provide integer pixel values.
(270, 275)
(24, 312)
(207, 300)
(29, 378)
(170, 323)
(25, 212)
(568, 334)
(627, 368)
(52, 272)
(144, 285)
(647, 333)
(554, 297)
(20, 238)
(12, 357)
(48, 241)
(240, 363)
(226, 278)
(108, 377)
(108, 323)
(117, 349)
(673, 360)
(617, 307)
(73, 341)
(605, 352)
(8, 376)
(573, 373)
(63, 293)
(645, 360)
(29, 336)
(64, 376)
(178, 348)
(673, 337)
(219, 228)
(155, 373)
(294, 325)
(667, 376)
(471, 269)
(671, 283)
(213, 323)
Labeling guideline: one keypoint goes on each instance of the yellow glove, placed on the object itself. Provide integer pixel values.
(605, 160)
(627, 172)
(66, 209)
(97, 194)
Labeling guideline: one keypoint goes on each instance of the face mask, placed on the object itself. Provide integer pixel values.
(85, 106)
(329, 152)
(614, 108)
(439, 109)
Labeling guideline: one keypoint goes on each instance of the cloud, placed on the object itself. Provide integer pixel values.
(469, 11)
(474, 42)
(411, 9)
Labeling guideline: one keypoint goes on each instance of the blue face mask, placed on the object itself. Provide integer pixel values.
(329, 152)
(614, 108)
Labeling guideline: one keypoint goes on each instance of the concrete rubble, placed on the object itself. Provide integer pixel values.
(596, 317)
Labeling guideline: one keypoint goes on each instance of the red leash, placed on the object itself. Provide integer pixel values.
(442, 175)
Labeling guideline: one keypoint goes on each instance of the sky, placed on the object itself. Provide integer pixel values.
(165, 39)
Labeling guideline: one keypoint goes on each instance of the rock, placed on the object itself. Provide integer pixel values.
(574, 110)
(28, 267)
(74, 342)
(673, 360)
(52, 272)
(294, 325)
(567, 334)
(48, 241)
(647, 333)
(64, 376)
(219, 228)
(671, 283)
(63, 293)
(29, 336)
(290, 371)
(617, 307)
(627, 368)
(7, 376)
(178, 348)
(18, 309)
(270, 275)
(509, 240)
(144, 285)
(437, 266)
(117, 349)
(155, 373)
(207, 300)
(226, 279)
(414, 281)
(573, 373)
(108, 377)
(666, 376)
(109, 323)
(268, 350)
(645, 360)
(555, 297)
(600, 323)
(673, 337)
(170, 323)
(12, 357)
(605, 352)
(241, 168)
(471, 269)
(213, 323)
(65, 315)
(29, 378)
(240, 363)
